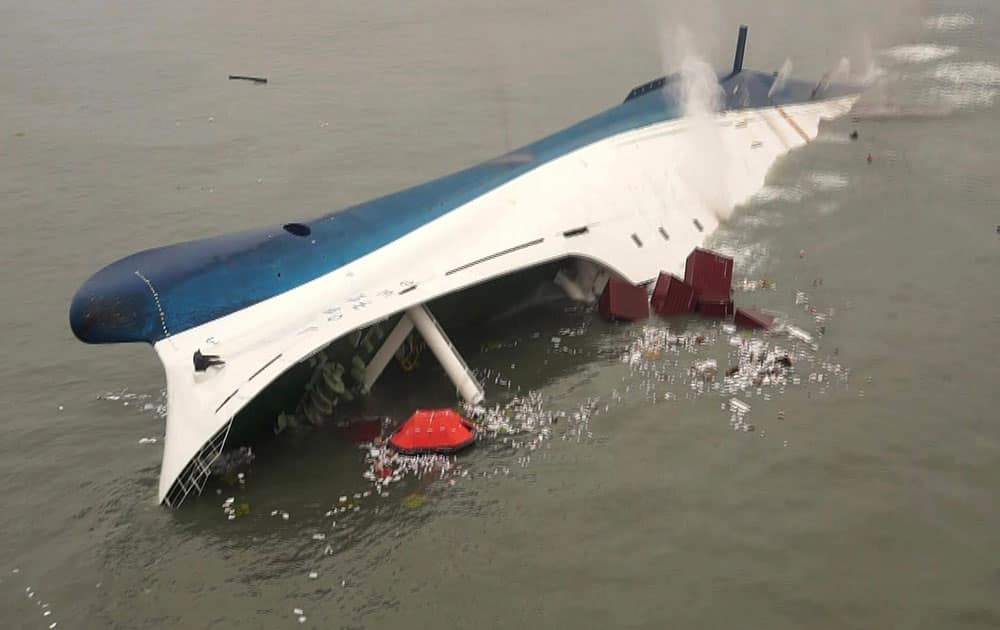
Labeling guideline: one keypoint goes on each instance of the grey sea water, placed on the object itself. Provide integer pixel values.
(865, 500)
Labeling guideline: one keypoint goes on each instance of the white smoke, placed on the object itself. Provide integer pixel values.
(842, 73)
(781, 79)
(703, 163)
(871, 72)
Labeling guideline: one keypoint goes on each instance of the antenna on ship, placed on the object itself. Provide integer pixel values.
(741, 45)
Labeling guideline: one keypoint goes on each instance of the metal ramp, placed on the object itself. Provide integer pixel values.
(192, 479)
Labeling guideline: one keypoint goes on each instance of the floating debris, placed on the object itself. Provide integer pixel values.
(706, 369)
(738, 405)
(414, 501)
(234, 511)
(157, 409)
(798, 333)
(235, 77)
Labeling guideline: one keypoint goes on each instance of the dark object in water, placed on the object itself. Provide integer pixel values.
(784, 360)
(672, 296)
(433, 431)
(709, 274)
(870, 158)
(243, 78)
(750, 318)
(854, 135)
(733, 370)
(361, 430)
(623, 301)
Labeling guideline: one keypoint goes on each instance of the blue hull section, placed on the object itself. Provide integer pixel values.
(159, 292)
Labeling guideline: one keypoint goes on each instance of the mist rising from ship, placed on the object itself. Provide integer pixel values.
(702, 165)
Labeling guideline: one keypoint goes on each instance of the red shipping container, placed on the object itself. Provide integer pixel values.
(672, 296)
(751, 318)
(710, 274)
(621, 300)
(716, 308)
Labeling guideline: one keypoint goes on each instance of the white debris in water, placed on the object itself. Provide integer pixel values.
(147, 440)
(738, 405)
(798, 333)
(707, 360)
(749, 286)
(157, 409)
(313, 575)
(706, 369)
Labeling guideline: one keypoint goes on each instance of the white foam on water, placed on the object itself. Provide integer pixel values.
(950, 22)
(759, 220)
(920, 53)
(768, 194)
(969, 97)
(749, 258)
(827, 181)
(972, 84)
(968, 73)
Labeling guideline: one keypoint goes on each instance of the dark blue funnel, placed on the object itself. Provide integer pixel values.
(741, 45)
